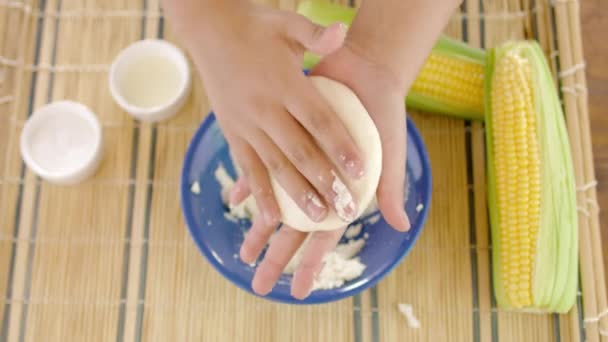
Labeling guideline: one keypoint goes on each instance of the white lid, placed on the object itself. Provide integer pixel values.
(62, 142)
(153, 68)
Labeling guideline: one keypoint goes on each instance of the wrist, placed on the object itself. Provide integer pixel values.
(399, 40)
(192, 19)
(391, 74)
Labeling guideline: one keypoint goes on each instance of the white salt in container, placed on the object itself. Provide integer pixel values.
(62, 142)
(150, 79)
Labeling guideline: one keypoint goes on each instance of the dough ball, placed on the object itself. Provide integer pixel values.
(361, 127)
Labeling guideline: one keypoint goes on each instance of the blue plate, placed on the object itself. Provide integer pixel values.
(219, 239)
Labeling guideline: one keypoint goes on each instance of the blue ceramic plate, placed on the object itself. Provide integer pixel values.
(219, 239)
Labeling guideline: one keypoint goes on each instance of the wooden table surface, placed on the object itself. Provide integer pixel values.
(595, 30)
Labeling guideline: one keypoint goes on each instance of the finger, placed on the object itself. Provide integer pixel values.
(390, 193)
(239, 191)
(255, 240)
(294, 183)
(319, 118)
(311, 263)
(315, 38)
(284, 245)
(258, 180)
(306, 156)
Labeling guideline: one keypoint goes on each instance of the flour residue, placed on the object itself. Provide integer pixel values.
(343, 202)
(65, 142)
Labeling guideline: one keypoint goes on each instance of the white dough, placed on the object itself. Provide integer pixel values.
(362, 129)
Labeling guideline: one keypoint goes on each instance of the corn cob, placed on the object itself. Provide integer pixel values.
(450, 81)
(532, 199)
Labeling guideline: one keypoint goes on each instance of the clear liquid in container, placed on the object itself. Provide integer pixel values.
(151, 81)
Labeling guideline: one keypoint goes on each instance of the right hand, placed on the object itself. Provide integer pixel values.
(272, 116)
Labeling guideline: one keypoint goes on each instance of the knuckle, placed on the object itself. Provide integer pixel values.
(262, 113)
(323, 183)
(264, 196)
(307, 264)
(325, 237)
(277, 164)
(328, 193)
(262, 104)
(257, 189)
(273, 264)
(257, 236)
(291, 234)
(321, 121)
(302, 153)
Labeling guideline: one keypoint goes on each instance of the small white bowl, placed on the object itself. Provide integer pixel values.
(150, 79)
(62, 142)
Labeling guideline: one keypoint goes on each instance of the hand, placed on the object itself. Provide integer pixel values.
(382, 94)
(270, 113)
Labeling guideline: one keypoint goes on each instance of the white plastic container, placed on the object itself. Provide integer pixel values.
(150, 79)
(62, 142)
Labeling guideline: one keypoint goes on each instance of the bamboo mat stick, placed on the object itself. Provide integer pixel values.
(26, 223)
(484, 291)
(7, 218)
(20, 27)
(136, 250)
(589, 171)
(366, 313)
(589, 281)
(137, 253)
(545, 34)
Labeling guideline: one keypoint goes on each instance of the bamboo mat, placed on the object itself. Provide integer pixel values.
(110, 259)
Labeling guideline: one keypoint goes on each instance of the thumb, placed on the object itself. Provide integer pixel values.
(315, 38)
(391, 189)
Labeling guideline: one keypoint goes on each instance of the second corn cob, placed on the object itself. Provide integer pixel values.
(450, 81)
(532, 199)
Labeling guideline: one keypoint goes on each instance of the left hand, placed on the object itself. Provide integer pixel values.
(382, 94)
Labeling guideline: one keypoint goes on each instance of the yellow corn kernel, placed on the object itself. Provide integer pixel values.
(517, 165)
(456, 82)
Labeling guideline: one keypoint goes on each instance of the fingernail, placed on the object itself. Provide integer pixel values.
(245, 257)
(293, 291)
(353, 167)
(293, 281)
(343, 201)
(343, 29)
(315, 207)
(404, 225)
(407, 225)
